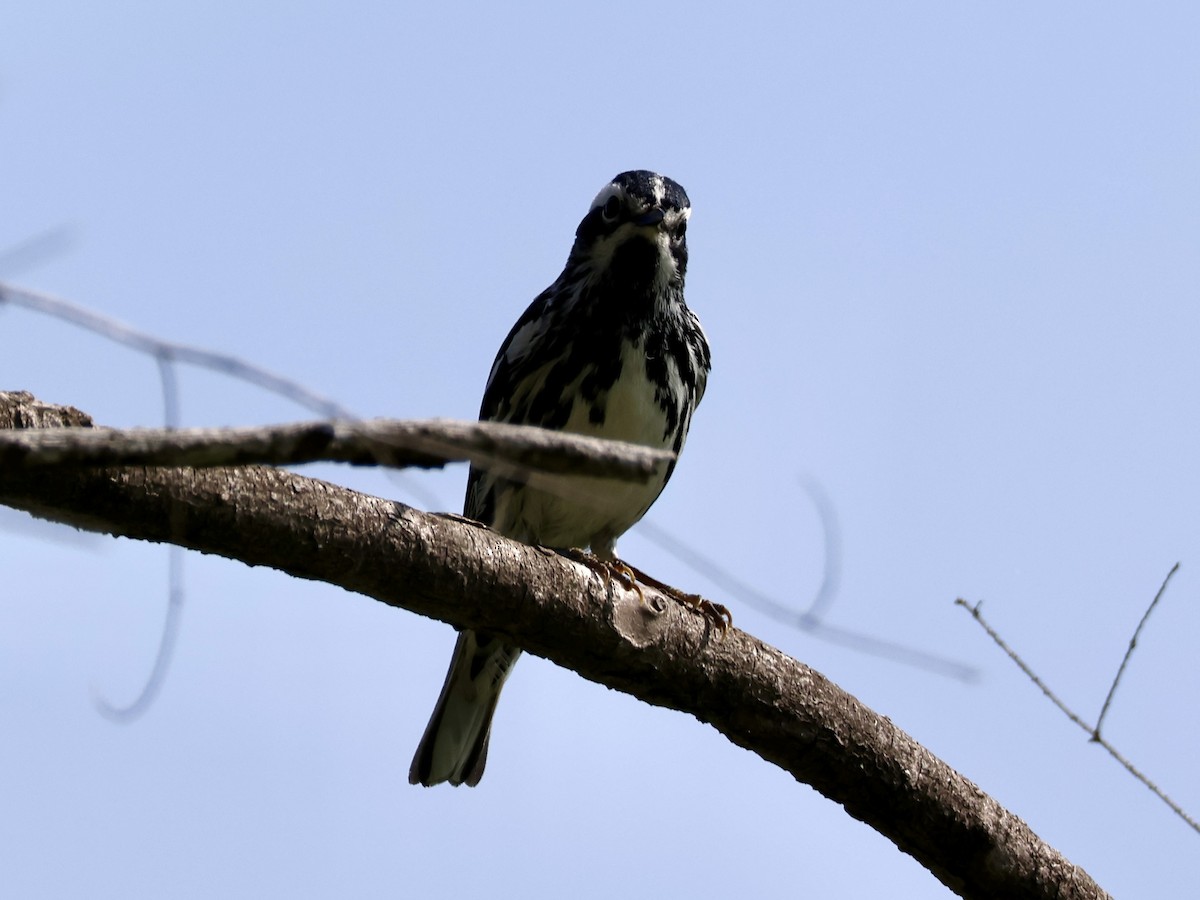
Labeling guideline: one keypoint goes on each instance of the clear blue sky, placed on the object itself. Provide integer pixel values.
(947, 258)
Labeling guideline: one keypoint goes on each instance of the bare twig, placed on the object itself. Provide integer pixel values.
(170, 391)
(1021, 664)
(129, 336)
(34, 250)
(1129, 652)
(166, 648)
(1075, 717)
(805, 621)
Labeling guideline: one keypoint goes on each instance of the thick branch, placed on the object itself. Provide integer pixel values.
(437, 566)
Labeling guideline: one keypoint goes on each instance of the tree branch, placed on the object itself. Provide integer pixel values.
(427, 443)
(660, 652)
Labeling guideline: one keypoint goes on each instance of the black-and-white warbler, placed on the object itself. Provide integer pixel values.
(610, 349)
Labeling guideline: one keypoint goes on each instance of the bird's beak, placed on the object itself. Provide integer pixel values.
(650, 217)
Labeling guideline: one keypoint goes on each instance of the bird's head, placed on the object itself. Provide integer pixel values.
(636, 230)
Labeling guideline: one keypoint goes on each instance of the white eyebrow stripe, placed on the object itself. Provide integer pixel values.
(609, 190)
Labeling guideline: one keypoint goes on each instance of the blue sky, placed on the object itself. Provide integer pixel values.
(946, 256)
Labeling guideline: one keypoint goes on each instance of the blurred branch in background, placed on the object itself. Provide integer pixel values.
(36, 249)
(167, 354)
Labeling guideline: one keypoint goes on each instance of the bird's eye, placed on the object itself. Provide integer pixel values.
(682, 229)
(612, 207)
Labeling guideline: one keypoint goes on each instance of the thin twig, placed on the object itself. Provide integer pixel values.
(129, 336)
(1136, 773)
(1074, 717)
(170, 391)
(1129, 652)
(166, 648)
(1012, 654)
(832, 570)
(154, 682)
(34, 250)
(804, 621)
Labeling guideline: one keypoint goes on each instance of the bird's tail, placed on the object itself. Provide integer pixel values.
(455, 744)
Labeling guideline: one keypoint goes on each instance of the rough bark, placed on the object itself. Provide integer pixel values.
(427, 443)
(660, 652)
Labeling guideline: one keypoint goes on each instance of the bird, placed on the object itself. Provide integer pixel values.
(610, 349)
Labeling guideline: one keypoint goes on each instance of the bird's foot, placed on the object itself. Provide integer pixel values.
(609, 569)
(632, 578)
(626, 576)
(715, 614)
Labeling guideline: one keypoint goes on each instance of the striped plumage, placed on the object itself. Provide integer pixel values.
(610, 349)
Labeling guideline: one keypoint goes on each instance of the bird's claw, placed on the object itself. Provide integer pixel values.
(609, 569)
(715, 614)
(614, 568)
